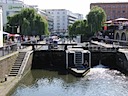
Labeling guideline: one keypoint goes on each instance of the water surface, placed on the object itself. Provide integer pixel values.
(100, 81)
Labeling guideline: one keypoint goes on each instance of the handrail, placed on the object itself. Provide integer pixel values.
(24, 63)
(121, 41)
(7, 49)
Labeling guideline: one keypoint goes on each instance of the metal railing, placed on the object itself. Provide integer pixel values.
(119, 43)
(7, 49)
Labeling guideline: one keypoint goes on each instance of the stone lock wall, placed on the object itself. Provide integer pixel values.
(6, 63)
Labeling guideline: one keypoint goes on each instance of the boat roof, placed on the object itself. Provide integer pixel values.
(77, 49)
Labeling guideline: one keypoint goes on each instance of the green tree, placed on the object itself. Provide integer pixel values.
(29, 22)
(96, 18)
(78, 28)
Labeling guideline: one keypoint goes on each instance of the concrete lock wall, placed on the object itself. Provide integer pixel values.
(6, 63)
(120, 34)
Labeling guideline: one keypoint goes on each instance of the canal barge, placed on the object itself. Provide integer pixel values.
(78, 61)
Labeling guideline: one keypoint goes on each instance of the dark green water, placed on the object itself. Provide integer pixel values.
(100, 81)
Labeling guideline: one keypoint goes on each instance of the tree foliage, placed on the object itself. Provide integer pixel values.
(96, 18)
(79, 27)
(88, 27)
(29, 22)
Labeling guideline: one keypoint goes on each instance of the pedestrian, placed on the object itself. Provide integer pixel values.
(86, 63)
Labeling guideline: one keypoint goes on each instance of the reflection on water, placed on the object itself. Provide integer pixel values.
(101, 81)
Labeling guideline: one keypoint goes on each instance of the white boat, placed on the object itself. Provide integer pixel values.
(78, 61)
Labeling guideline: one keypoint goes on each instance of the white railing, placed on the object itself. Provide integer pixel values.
(24, 63)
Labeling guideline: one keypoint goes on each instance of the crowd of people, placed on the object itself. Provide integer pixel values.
(8, 40)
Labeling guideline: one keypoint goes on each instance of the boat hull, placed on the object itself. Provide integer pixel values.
(79, 72)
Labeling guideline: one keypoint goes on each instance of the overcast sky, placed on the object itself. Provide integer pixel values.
(76, 6)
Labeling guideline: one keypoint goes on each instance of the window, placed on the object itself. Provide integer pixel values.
(58, 20)
(113, 11)
(7, 13)
(123, 11)
(58, 16)
(113, 6)
(58, 23)
(58, 27)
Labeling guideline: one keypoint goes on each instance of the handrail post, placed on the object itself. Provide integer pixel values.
(65, 48)
(33, 48)
(3, 51)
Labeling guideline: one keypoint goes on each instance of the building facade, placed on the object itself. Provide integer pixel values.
(62, 18)
(11, 7)
(113, 10)
(48, 17)
(1, 28)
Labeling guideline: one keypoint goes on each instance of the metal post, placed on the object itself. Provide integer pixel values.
(33, 48)
(3, 51)
(12, 29)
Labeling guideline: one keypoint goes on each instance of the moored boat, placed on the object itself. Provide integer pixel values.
(78, 61)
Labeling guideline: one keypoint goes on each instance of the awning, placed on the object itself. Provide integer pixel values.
(108, 22)
(121, 19)
(6, 33)
(13, 35)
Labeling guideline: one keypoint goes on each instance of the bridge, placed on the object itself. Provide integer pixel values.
(92, 46)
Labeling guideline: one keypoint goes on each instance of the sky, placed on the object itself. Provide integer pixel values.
(76, 6)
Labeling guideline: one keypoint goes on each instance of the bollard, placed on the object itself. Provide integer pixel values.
(6, 77)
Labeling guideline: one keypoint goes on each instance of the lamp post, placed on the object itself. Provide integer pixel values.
(18, 29)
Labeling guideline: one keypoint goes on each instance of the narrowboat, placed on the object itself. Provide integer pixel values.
(78, 61)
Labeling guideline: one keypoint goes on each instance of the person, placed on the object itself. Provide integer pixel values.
(15, 39)
(10, 41)
(85, 63)
(18, 44)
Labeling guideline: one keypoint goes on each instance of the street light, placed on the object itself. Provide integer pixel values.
(18, 29)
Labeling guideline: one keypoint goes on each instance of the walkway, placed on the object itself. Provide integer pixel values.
(104, 44)
(6, 86)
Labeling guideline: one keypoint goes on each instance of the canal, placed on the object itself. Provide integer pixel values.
(100, 81)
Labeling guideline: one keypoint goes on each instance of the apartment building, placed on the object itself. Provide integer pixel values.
(62, 18)
(114, 10)
(10, 7)
(48, 17)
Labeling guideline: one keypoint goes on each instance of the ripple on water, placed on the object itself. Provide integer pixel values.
(100, 81)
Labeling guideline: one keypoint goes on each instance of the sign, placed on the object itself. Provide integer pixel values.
(14, 7)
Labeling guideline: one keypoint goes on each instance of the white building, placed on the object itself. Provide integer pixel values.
(62, 19)
(1, 28)
(48, 17)
(11, 7)
(80, 16)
